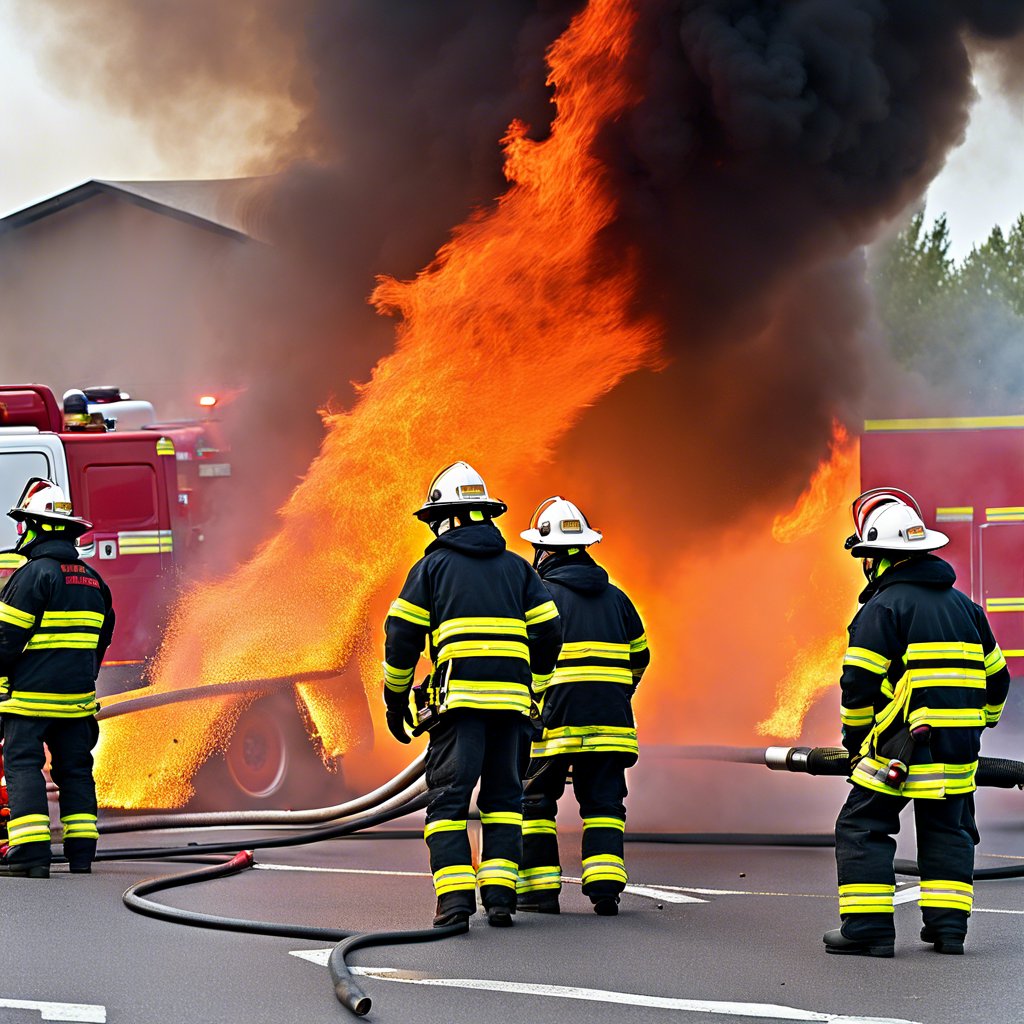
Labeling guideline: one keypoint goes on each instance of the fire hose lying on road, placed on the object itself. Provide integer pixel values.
(407, 792)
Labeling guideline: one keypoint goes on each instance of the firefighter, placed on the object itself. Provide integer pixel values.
(922, 677)
(586, 715)
(493, 629)
(56, 621)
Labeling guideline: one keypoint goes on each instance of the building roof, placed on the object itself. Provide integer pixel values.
(226, 205)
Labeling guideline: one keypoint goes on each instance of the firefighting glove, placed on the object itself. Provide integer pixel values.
(398, 714)
(397, 721)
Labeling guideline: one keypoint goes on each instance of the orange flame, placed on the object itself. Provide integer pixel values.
(504, 339)
(826, 491)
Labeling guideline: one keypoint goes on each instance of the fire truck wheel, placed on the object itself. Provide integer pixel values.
(270, 762)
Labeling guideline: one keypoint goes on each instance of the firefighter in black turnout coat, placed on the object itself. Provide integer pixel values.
(922, 678)
(586, 714)
(56, 622)
(492, 630)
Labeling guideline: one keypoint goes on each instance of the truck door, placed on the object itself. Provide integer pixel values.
(120, 484)
(1001, 544)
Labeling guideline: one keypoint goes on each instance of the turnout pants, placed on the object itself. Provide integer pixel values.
(599, 785)
(70, 741)
(467, 746)
(865, 847)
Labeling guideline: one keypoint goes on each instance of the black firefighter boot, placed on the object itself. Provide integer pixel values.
(454, 908)
(836, 942)
(949, 944)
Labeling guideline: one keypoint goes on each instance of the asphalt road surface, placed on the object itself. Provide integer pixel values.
(706, 933)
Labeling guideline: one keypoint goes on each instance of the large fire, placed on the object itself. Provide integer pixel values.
(512, 331)
(503, 340)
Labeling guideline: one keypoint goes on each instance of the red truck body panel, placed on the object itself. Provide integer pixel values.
(967, 474)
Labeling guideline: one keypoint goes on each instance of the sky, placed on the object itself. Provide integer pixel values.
(51, 142)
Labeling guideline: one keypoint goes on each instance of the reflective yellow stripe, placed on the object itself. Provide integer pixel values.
(541, 681)
(617, 823)
(145, 542)
(457, 878)
(540, 827)
(397, 679)
(79, 826)
(63, 641)
(164, 446)
(29, 828)
(857, 716)
(483, 649)
(951, 649)
(1004, 604)
(10, 560)
(955, 514)
(541, 613)
(993, 712)
(604, 867)
(948, 894)
(945, 423)
(865, 898)
(548, 877)
(639, 644)
(501, 818)
(1005, 514)
(955, 717)
(51, 705)
(413, 613)
(861, 657)
(443, 825)
(972, 678)
(994, 661)
(594, 649)
(92, 620)
(582, 738)
(487, 695)
(478, 624)
(592, 673)
(498, 871)
(924, 781)
(15, 616)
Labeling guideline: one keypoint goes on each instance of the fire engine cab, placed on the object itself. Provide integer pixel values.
(148, 488)
(967, 474)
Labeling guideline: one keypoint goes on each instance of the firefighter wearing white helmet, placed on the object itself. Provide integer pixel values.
(586, 715)
(56, 622)
(492, 630)
(922, 678)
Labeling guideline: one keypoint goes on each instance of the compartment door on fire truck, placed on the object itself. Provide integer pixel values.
(1002, 579)
(119, 485)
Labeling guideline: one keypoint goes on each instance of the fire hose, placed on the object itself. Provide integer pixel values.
(832, 761)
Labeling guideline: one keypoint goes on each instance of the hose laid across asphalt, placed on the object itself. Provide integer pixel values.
(186, 820)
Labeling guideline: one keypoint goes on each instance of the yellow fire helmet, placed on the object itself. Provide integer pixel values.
(458, 487)
(558, 523)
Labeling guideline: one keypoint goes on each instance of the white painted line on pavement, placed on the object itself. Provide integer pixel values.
(85, 1012)
(908, 895)
(341, 871)
(665, 893)
(769, 1011)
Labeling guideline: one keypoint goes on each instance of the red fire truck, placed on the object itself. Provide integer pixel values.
(968, 476)
(150, 488)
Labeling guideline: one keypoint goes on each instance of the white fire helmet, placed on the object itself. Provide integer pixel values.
(558, 523)
(458, 487)
(44, 502)
(888, 519)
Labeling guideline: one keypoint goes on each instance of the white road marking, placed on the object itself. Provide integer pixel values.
(908, 895)
(769, 1011)
(341, 871)
(86, 1012)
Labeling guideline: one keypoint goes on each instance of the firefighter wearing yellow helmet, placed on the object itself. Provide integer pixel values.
(586, 715)
(56, 622)
(922, 678)
(492, 630)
